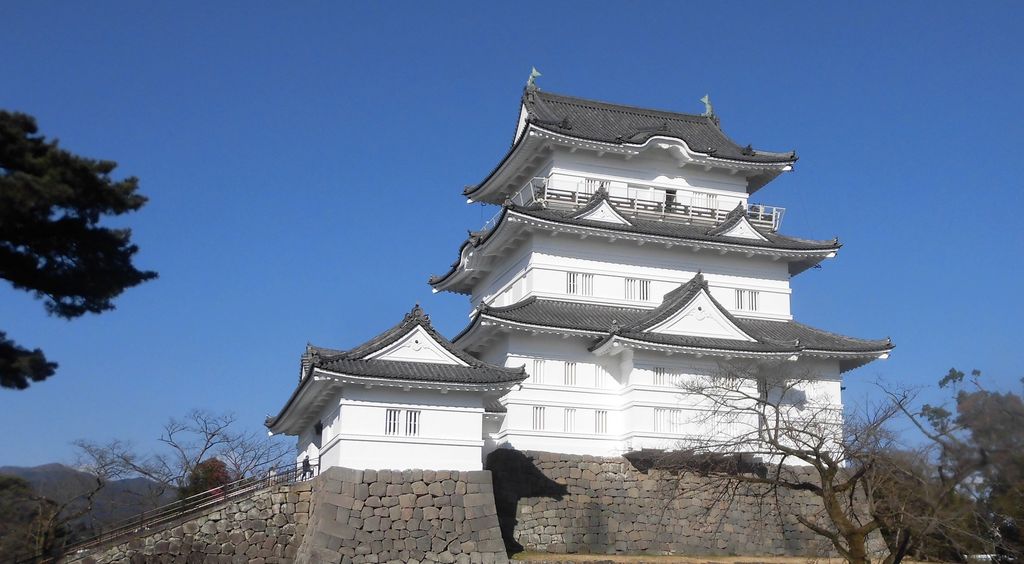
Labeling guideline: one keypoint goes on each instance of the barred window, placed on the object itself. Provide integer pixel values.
(579, 284)
(570, 374)
(637, 289)
(601, 422)
(667, 420)
(592, 185)
(412, 423)
(391, 422)
(538, 418)
(569, 420)
(659, 376)
(746, 300)
(538, 370)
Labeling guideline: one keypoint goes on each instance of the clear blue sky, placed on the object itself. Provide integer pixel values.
(304, 164)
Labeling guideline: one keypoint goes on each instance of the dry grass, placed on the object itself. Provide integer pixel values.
(674, 559)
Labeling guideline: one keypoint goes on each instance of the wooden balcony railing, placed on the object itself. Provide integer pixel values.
(658, 203)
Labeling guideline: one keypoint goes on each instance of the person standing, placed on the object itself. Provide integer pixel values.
(307, 470)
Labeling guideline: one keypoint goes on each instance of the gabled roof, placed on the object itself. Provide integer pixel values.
(618, 123)
(673, 302)
(629, 128)
(373, 362)
(359, 360)
(600, 209)
(737, 225)
(686, 231)
(605, 323)
(804, 253)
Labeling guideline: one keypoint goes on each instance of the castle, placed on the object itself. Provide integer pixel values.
(626, 258)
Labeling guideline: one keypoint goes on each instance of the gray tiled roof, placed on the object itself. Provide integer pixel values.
(567, 315)
(680, 231)
(770, 336)
(676, 230)
(616, 123)
(421, 371)
(354, 361)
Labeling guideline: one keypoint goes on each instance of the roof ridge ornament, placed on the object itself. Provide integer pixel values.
(531, 84)
(417, 314)
(709, 110)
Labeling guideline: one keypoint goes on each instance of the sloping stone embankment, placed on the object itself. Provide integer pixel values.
(264, 528)
(341, 516)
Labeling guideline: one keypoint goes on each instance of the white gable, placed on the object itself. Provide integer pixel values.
(604, 212)
(743, 230)
(701, 318)
(417, 346)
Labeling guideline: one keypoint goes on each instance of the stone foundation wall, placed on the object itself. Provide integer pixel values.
(262, 529)
(561, 503)
(408, 516)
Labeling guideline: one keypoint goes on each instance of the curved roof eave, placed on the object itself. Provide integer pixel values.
(769, 170)
(439, 281)
(805, 258)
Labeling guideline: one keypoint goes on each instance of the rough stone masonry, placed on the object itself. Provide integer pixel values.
(403, 516)
(561, 503)
(343, 515)
(263, 529)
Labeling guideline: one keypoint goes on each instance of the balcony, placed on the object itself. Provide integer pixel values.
(646, 201)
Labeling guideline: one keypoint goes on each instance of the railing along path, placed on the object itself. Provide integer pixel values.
(191, 505)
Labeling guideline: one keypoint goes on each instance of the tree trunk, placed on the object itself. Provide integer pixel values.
(858, 549)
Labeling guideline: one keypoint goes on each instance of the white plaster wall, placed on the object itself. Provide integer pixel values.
(543, 273)
(655, 167)
(450, 430)
(630, 398)
(496, 288)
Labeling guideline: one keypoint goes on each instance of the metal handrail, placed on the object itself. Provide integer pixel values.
(193, 504)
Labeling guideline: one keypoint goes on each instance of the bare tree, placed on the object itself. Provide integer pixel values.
(187, 442)
(867, 486)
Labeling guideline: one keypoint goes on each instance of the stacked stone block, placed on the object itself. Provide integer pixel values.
(408, 516)
(264, 528)
(604, 505)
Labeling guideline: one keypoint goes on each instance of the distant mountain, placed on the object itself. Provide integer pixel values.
(116, 501)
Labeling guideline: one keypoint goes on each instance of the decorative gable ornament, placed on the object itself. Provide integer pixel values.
(417, 346)
(701, 317)
(603, 212)
(742, 229)
(737, 225)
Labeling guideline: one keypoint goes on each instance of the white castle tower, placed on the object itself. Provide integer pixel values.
(626, 256)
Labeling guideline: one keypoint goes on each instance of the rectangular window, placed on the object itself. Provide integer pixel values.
(538, 418)
(412, 423)
(667, 420)
(659, 376)
(601, 422)
(569, 420)
(579, 284)
(602, 379)
(570, 374)
(638, 289)
(391, 422)
(538, 371)
(746, 300)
